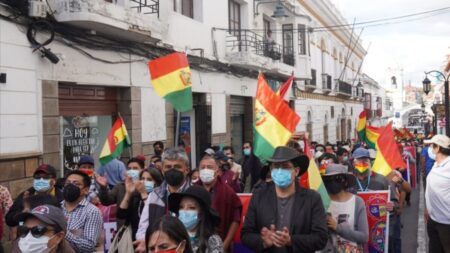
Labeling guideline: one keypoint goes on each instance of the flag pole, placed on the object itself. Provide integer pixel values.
(177, 129)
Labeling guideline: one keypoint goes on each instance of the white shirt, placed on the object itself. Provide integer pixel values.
(343, 213)
(437, 195)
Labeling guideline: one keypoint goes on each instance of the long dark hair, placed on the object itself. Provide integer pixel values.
(173, 228)
(205, 228)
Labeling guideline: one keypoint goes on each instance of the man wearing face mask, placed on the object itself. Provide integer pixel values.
(343, 156)
(175, 169)
(251, 166)
(84, 220)
(42, 192)
(228, 176)
(224, 199)
(284, 217)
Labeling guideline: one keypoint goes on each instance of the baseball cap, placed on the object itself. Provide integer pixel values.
(210, 151)
(47, 169)
(361, 153)
(221, 156)
(86, 159)
(49, 214)
(440, 140)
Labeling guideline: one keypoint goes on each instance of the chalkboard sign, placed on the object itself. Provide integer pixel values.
(83, 136)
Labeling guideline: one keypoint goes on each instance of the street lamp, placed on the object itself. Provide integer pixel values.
(426, 85)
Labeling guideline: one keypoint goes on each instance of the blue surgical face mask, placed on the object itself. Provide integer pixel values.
(149, 186)
(134, 174)
(281, 177)
(41, 185)
(247, 151)
(189, 218)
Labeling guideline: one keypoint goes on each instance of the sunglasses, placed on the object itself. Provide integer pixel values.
(36, 231)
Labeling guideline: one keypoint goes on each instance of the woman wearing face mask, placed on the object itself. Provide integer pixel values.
(136, 193)
(43, 231)
(193, 208)
(116, 195)
(347, 219)
(167, 235)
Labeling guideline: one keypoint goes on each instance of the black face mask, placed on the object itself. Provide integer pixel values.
(333, 186)
(225, 166)
(71, 193)
(174, 177)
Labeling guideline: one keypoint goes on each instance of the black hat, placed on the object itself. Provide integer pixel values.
(198, 193)
(49, 214)
(285, 154)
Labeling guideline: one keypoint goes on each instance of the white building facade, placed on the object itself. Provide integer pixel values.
(54, 113)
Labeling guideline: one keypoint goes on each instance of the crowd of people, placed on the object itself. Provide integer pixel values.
(164, 205)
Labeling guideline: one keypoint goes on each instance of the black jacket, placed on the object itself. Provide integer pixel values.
(35, 200)
(308, 228)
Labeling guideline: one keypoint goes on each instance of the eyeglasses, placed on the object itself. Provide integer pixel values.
(36, 231)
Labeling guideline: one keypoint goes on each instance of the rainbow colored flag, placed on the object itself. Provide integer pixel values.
(313, 180)
(388, 156)
(116, 141)
(275, 121)
(171, 79)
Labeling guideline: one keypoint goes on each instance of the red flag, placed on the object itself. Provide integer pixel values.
(285, 87)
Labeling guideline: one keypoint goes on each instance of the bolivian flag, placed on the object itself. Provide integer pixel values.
(116, 141)
(171, 78)
(313, 179)
(361, 126)
(388, 156)
(275, 121)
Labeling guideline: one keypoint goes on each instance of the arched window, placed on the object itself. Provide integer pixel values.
(343, 112)
(309, 117)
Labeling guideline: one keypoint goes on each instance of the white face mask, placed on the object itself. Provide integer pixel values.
(30, 244)
(207, 175)
(431, 154)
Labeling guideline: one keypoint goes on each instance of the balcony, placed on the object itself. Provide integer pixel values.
(251, 50)
(311, 84)
(343, 89)
(135, 20)
(326, 83)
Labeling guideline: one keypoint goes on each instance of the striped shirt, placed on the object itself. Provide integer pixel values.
(84, 225)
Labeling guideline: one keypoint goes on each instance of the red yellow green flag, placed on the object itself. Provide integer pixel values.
(275, 121)
(171, 79)
(116, 141)
(361, 126)
(388, 156)
(313, 179)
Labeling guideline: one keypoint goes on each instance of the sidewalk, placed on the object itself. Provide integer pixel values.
(422, 237)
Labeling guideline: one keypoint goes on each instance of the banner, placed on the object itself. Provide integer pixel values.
(238, 247)
(378, 219)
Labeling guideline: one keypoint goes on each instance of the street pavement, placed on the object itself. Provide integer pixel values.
(411, 223)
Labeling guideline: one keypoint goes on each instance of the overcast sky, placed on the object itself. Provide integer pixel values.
(415, 46)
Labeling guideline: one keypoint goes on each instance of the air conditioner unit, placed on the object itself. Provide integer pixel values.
(37, 9)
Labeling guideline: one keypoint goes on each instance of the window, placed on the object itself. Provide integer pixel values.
(288, 44)
(187, 8)
(266, 26)
(301, 39)
(234, 17)
(332, 112)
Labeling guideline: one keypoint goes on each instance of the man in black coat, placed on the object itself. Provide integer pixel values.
(283, 217)
(42, 192)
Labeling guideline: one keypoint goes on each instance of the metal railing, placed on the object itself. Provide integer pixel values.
(344, 87)
(145, 6)
(248, 41)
